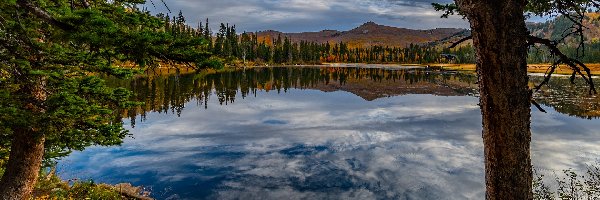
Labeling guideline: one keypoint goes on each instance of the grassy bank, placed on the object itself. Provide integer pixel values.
(167, 68)
(50, 186)
(532, 68)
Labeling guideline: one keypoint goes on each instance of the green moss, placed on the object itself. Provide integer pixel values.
(50, 186)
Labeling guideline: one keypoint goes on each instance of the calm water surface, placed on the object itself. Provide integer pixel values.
(321, 133)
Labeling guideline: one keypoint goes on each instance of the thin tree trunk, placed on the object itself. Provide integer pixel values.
(23, 166)
(499, 35)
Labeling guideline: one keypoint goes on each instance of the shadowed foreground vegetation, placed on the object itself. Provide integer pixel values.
(569, 185)
(50, 186)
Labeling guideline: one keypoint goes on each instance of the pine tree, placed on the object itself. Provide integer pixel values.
(208, 36)
(51, 98)
(218, 48)
(180, 20)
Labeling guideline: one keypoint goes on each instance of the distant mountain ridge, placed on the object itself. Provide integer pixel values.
(556, 28)
(373, 34)
(366, 35)
(552, 29)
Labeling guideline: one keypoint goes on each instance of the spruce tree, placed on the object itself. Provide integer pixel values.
(51, 98)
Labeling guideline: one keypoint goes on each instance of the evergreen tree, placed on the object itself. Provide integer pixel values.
(218, 48)
(51, 101)
(287, 51)
(180, 20)
(208, 36)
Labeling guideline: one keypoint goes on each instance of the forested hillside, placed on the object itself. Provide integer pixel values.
(558, 28)
(367, 35)
(229, 46)
(370, 43)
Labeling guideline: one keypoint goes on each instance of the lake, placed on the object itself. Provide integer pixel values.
(325, 133)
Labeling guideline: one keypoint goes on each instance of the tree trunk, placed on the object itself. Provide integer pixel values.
(26, 153)
(27, 145)
(499, 35)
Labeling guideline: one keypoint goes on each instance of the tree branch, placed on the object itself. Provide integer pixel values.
(574, 13)
(548, 75)
(460, 41)
(42, 14)
(572, 63)
(538, 106)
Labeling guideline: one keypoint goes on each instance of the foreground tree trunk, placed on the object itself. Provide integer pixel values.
(499, 35)
(27, 145)
(26, 153)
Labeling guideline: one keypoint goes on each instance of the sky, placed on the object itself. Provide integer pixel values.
(309, 15)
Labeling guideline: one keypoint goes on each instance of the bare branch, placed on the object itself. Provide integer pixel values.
(538, 106)
(152, 2)
(42, 14)
(461, 41)
(574, 64)
(164, 3)
(573, 76)
(191, 66)
(574, 13)
(548, 75)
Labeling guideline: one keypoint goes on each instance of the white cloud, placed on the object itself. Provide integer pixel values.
(326, 145)
(310, 15)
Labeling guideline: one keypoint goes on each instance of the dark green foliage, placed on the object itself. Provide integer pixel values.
(448, 9)
(541, 54)
(213, 63)
(49, 68)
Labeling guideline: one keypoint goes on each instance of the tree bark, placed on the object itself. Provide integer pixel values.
(42, 14)
(500, 38)
(27, 144)
(26, 154)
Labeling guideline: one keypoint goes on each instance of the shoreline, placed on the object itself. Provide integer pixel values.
(532, 68)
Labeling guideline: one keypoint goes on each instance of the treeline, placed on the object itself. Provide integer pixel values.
(229, 45)
(170, 94)
(589, 53)
(226, 45)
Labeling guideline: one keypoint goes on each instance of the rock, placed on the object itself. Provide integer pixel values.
(126, 189)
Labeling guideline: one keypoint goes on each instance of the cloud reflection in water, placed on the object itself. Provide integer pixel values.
(309, 144)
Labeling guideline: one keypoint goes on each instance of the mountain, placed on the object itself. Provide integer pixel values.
(366, 35)
(371, 34)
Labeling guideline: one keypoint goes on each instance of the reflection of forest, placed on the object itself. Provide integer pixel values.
(567, 98)
(170, 93)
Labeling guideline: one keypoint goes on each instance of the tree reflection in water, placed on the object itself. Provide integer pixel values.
(169, 93)
(312, 142)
